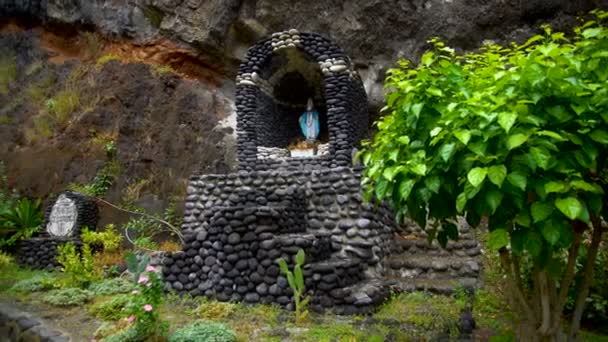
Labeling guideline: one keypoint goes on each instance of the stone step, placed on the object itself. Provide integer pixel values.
(413, 244)
(445, 286)
(432, 267)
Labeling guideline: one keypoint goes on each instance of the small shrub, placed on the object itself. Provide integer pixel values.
(109, 239)
(201, 330)
(5, 260)
(112, 309)
(110, 287)
(296, 282)
(63, 104)
(214, 310)
(145, 242)
(35, 284)
(170, 246)
(78, 266)
(101, 183)
(105, 261)
(20, 221)
(143, 311)
(67, 297)
(126, 335)
(8, 72)
(43, 126)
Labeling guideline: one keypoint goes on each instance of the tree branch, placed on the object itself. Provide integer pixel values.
(517, 293)
(566, 280)
(579, 305)
(171, 227)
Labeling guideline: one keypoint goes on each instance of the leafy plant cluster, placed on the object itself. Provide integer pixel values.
(102, 181)
(516, 134)
(109, 239)
(112, 309)
(110, 287)
(77, 265)
(35, 284)
(20, 218)
(201, 330)
(67, 297)
(295, 280)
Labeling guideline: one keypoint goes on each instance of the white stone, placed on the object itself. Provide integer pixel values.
(62, 220)
(337, 68)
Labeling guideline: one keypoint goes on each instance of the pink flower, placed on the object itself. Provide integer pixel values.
(150, 269)
(143, 279)
(134, 292)
(130, 319)
(148, 307)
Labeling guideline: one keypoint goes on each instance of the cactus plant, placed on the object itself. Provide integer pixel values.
(296, 282)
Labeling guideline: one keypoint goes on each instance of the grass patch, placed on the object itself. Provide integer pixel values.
(110, 308)
(8, 72)
(62, 106)
(110, 286)
(101, 61)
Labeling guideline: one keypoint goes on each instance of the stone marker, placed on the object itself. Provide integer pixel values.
(63, 217)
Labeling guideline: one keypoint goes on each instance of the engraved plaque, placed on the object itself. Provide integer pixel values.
(62, 220)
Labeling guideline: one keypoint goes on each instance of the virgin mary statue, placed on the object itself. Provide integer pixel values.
(309, 122)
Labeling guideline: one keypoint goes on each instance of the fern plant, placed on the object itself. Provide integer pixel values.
(20, 221)
(296, 282)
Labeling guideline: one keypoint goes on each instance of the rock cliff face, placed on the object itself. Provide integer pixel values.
(374, 32)
(170, 125)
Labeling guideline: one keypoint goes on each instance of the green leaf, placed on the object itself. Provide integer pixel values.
(554, 186)
(434, 91)
(433, 183)
(381, 187)
(523, 219)
(599, 135)
(461, 202)
(493, 198)
(498, 239)
(394, 154)
(518, 240)
(541, 156)
(445, 151)
(291, 281)
(418, 168)
(582, 185)
(540, 211)
(534, 244)
(404, 140)
(417, 108)
(506, 120)
(283, 266)
(569, 206)
(518, 180)
(299, 277)
(516, 140)
(497, 174)
(390, 172)
(592, 32)
(463, 135)
(300, 257)
(550, 232)
(477, 175)
(405, 188)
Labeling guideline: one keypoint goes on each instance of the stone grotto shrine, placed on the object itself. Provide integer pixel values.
(63, 220)
(236, 226)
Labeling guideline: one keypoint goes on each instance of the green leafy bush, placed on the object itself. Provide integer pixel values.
(296, 282)
(67, 297)
(35, 284)
(78, 266)
(110, 286)
(101, 183)
(201, 330)
(20, 221)
(5, 260)
(109, 239)
(112, 309)
(515, 134)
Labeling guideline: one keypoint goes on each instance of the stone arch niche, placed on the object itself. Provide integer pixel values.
(273, 84)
